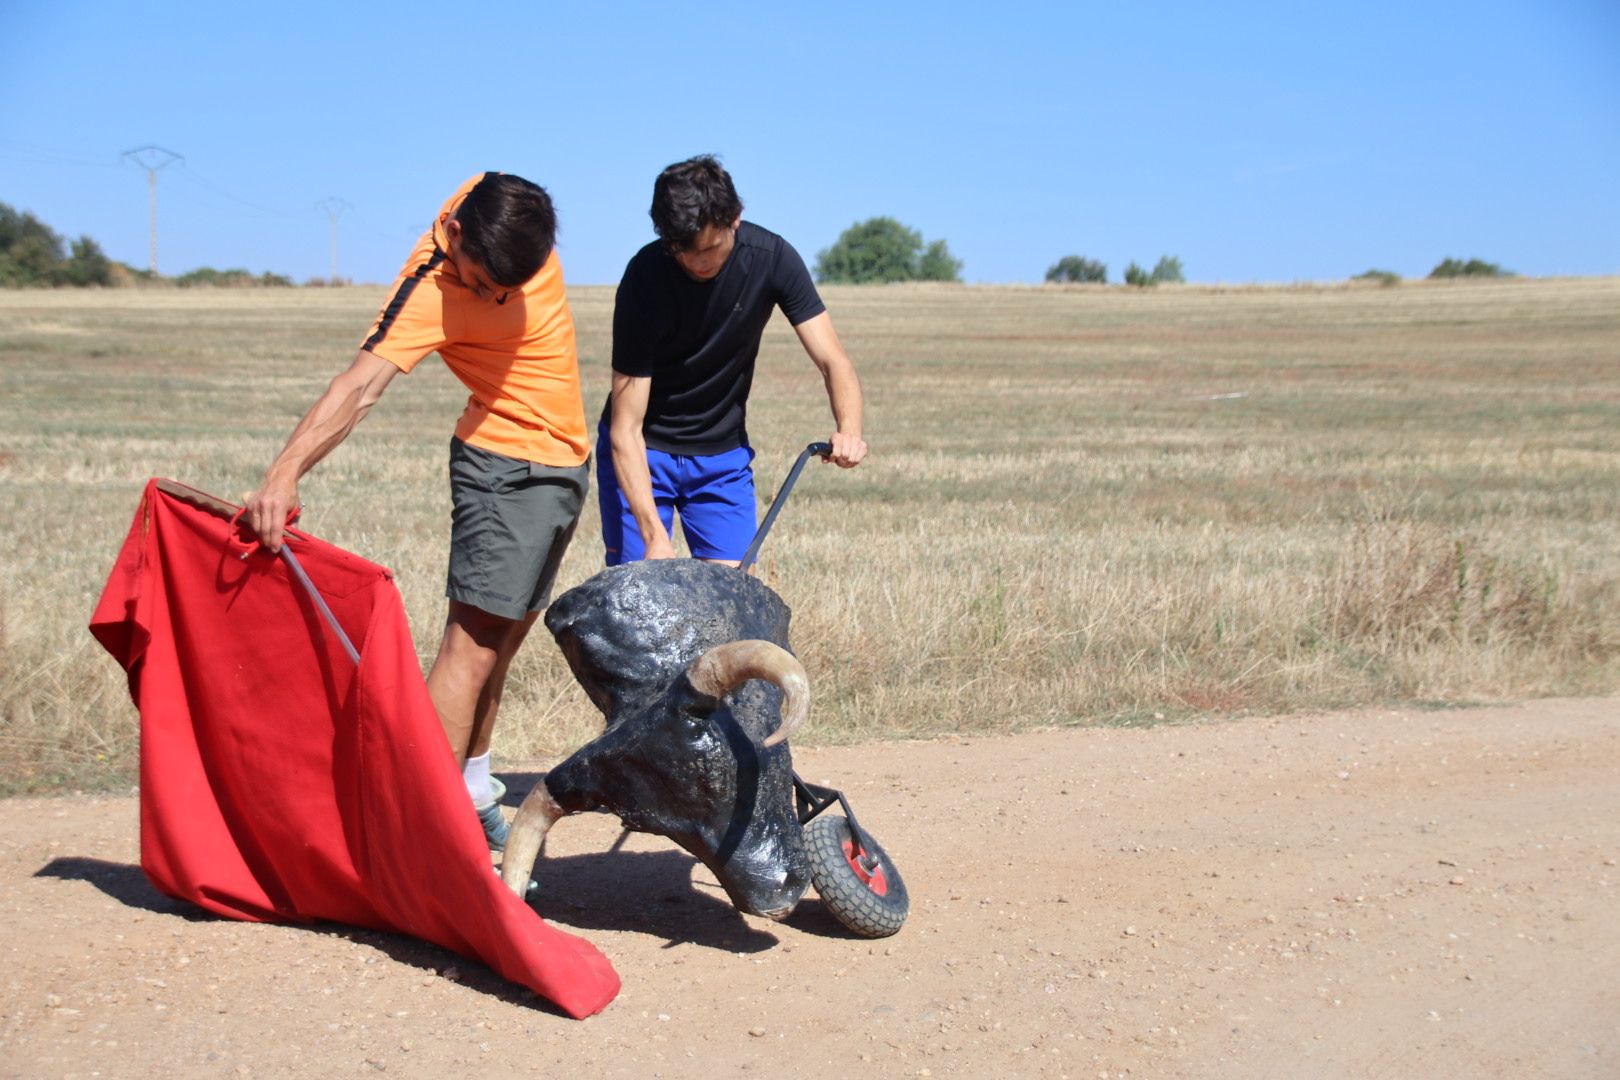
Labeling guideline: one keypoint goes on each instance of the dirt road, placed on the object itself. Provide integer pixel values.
(1378, 894)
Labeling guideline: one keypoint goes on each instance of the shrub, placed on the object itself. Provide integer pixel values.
(1454, 268)
(1077, 269)
(88, 265)
(1135, 275)
(235, 278)
(1382, 277)
(1167, 271)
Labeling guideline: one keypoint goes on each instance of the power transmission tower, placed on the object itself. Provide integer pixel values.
(334, 208)
(152, 158)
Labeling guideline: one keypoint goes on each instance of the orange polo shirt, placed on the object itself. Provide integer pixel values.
(517, 358)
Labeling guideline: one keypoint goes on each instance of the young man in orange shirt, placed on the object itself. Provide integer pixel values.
(484, 290)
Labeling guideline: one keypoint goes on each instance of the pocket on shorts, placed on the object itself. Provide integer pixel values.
(484, 470)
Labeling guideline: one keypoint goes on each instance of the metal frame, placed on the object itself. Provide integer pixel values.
(811, 799)
(821, 448)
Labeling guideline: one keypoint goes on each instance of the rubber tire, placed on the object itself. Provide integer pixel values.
(851, 901)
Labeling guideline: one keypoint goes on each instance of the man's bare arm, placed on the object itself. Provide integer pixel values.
(346, 401)
(630, 462)
(820, 340)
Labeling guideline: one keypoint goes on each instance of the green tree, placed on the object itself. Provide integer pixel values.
(1135, 275)
(881, 249)
(1077, 268)
(1452, 268)
(88, 265)
(1167, 271)
(937, 264)
(31, 254)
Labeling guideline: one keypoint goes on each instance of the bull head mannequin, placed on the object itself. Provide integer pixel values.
(688, 662)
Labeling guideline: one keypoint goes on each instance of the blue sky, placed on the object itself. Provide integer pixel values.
(1256, 142)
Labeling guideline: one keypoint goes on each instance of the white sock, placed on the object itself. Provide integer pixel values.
(476, 774)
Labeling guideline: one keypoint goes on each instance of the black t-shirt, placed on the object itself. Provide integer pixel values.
(698, 340)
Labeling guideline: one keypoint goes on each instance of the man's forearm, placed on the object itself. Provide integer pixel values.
(635, 480)
(844, 395)
(821, 342)
(328, 422)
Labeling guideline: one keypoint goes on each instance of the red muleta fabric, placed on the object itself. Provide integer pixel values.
(279, 782)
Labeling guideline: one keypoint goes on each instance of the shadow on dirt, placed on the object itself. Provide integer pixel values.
(628, 892)
(653, 893)
(643, 892)
(128, 885)
(123, 883)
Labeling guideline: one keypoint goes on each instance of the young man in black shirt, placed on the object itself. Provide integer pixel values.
(687, 323)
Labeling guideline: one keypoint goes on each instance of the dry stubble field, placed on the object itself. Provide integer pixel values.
(1083, 506)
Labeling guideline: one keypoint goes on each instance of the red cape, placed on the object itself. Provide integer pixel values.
(280, 782)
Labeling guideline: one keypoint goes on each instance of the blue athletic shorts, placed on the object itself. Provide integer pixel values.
(712, 493)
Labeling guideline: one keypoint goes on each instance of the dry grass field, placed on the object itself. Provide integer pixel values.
(1083, 506)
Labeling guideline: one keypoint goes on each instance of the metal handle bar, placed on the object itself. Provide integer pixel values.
(320, 601)
(819, 448)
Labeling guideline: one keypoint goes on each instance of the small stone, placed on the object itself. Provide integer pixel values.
(756, 1032)
(1130, 931)
(1458, 881)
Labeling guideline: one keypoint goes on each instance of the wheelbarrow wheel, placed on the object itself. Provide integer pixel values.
(862, 889)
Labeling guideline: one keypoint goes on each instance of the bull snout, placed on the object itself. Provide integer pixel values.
(769, 874)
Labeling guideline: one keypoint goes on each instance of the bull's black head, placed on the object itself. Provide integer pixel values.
(682, 760)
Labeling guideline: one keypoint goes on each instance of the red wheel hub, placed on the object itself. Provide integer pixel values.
(873, 879)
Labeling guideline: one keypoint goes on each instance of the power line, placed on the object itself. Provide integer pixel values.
(192, 176)
(334, 208)
(152, 158)
(50, 155)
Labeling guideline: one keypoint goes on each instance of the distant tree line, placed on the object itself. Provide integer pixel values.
(1078, 268)
(232, 279)
(32, 254)
(1450, 268)
(1446, 268)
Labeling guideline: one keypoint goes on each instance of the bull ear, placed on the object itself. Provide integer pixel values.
(696, 711)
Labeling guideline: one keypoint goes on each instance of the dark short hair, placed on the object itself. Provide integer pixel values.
(690, 195)
(509, 226)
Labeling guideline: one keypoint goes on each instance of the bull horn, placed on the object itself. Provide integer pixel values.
(723, 667)
(538, 812)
